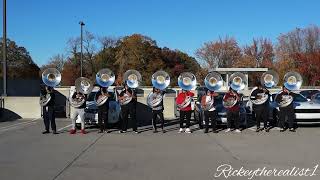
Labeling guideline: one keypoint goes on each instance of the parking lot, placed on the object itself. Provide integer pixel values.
(27, 154)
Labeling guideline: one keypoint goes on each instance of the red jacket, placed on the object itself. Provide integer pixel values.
(236, 107)
(181, 97)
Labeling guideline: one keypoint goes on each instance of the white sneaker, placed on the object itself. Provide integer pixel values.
(188, 130)
(237, 131)
(181, 130)
(228, 130)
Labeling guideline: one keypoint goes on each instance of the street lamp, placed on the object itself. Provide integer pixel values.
(4, 48)
(81, 26)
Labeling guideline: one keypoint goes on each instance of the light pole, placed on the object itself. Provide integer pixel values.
(81, 25)
(4, 48)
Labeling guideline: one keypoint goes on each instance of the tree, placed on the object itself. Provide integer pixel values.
(19, 62)
(56, 61)
(222, 53)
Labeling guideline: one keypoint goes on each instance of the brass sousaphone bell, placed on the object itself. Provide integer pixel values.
(133, 79)
(50, 77)
(84, 86)
(160, 80)
(104, 78)
(237, 81)
(269, 79)
(186, 81)
(292, 81)
(213, 81)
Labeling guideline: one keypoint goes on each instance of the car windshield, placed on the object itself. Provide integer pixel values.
(299, 98)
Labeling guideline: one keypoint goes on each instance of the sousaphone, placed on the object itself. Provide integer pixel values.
(237, 81)
(186, 81)
(104, 78)
(84, 86)
(269, 79)
(213, 81)
(160, 80)
(292, 81)
(50, 77)
(133, 79)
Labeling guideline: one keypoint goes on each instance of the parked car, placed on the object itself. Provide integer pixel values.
(91, 110)
(316, 98)
(305, 109)
(309, 93)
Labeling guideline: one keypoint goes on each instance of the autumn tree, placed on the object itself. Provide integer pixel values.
(19, 62)
(222, 53)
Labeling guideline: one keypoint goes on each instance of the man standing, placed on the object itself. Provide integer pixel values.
(48, 112)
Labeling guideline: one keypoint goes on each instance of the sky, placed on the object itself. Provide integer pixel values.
(43, 27)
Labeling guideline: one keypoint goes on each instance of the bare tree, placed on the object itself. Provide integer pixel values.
(107, 41)
(260, 52)
(221, 53)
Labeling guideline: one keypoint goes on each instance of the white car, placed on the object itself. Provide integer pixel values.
(305, 109)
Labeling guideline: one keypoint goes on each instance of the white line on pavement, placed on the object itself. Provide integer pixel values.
(18, 124)
(64, 127)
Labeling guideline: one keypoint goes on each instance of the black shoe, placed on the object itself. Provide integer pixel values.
(214, 131)
(206, 131)
(46, 132)
(107, 131)
(122, 131)
(101, 131)
(292, 130)
(268, 129)
(155, 131)
(258, 129)
(163, 131)
(55, 132)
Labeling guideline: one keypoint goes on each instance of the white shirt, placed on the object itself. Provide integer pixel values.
(208, 99)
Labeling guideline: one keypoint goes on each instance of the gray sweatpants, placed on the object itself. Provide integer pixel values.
(74, 117)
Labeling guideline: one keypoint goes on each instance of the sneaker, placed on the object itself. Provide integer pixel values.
(55, 132)
(136, 131)
(83, 131)
(122, 131)
(181, 130)
(282, 130)
(237, 131)
(292, 130)
(258, 129)
(163, 131)
(228, 130)
(206, 131)
(188, 130)
(45, 132)
(73, 131)
(107, 131)
(267, 129)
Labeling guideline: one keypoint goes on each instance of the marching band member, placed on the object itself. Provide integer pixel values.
(48, 111)
(185, 112)
(210, 113)
(233, 113)
(158, 111)
(103, 111)
(261, 111)
(287, 111)
(127, 109)
(78, 111)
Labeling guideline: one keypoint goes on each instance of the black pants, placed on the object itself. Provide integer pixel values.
(212, 115)
(183, 115)
(261, 114)
(103, 118)
(233, 117)
(49, 117)
(286, 112)
(154, 118)
(127, 109)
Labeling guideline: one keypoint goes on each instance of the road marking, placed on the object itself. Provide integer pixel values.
(17, 124)
(64, 127)
(6, 128)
